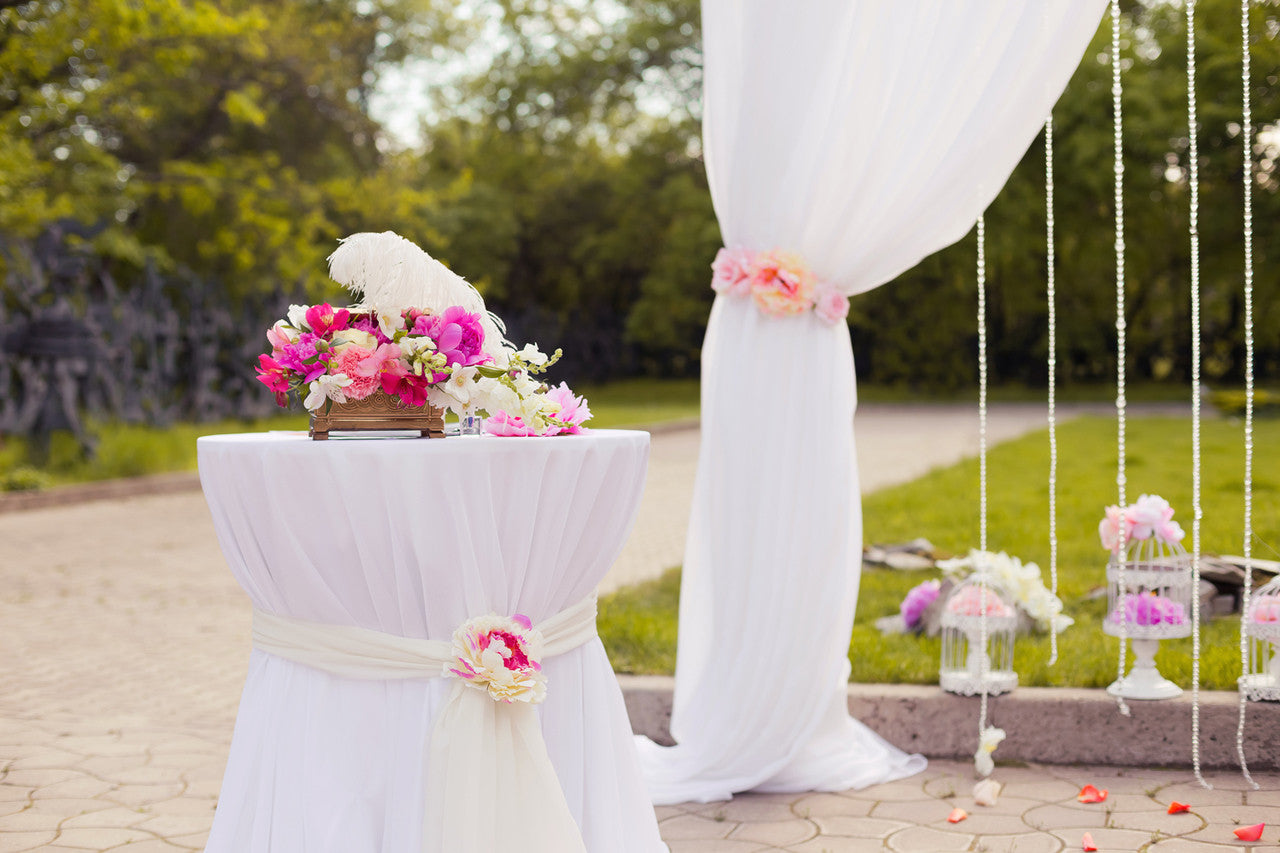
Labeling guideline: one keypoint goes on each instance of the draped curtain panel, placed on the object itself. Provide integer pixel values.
(862, 135)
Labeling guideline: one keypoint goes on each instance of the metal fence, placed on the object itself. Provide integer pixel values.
(75, 341)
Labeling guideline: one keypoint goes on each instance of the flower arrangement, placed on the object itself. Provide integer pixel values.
(1147, 609)
(1149, 519)
(322, 353)
(1022, 580)
(779, 283)
(500, 655)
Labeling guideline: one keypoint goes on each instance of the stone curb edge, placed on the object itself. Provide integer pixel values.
(1046, 725)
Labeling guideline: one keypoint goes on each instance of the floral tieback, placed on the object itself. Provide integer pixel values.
(778, 282)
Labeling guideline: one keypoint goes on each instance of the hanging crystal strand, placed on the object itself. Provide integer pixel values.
(982, 472)
(1051, 298)
(1118, 124)
(1247, 141)
(1193, 154)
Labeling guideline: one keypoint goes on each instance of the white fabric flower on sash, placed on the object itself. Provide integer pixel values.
(502, 655)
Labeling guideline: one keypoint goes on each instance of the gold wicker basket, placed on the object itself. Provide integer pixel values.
(377, 411)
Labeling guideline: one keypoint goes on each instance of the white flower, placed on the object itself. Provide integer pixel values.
(327, 386)
(390, 322)
(347, 337)
(532, 355)
(987, 743)
(298, 316)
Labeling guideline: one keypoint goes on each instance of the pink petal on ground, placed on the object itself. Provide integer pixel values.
(957, 815)
(1250, 833)
(1086, 842)
(1090, 794)
(1177, 808)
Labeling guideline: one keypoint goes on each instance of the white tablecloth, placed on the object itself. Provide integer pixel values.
(413, 537)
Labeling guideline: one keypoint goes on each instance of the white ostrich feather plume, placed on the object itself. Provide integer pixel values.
(389, 273)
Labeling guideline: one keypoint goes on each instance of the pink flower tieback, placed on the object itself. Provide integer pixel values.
(501, 655)
(780, 284)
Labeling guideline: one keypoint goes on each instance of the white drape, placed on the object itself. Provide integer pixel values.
(861, 135)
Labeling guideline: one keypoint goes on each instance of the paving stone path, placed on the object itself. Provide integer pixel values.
(124, 643)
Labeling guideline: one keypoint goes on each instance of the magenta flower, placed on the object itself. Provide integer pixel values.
(275, 376)
(324, 318)
(1147, 609)
(503, 424)
(573, 412)
(917, 601)
(410, 388)
(303, 358)
(457, 333)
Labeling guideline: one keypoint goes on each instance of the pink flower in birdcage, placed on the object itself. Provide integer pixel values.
(1266, 609)
(1147, 609)
(973, 599)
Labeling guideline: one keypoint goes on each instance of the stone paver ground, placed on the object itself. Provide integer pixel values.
(124, 643)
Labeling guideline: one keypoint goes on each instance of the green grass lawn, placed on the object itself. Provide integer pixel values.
(128, 450)
(638, 624)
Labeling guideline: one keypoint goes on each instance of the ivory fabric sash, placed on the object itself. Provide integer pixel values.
(490, 784)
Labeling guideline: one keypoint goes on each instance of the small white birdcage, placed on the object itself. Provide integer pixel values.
(1149, 600)
(969, 665)
(1262, 627)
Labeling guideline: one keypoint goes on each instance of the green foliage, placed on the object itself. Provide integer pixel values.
(229, 138)
(942, 507)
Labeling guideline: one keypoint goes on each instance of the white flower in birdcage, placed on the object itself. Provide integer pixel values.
(979, 623)
(1149, 589)
(1262, 629)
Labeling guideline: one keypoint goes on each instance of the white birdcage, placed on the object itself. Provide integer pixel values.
(1148, 600)
(1262, 627)
(969, 665)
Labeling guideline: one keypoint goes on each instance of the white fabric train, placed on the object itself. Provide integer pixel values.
(490, 784)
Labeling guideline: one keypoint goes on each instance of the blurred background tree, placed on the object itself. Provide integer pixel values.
(549, 150)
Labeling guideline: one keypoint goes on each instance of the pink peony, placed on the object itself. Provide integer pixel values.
(1266, 609)
(1109, 529)
(573, 411)
(503, 424)
(731, 272)
(457, 333)
(324, 318)
(969, 601)
(917, 601)
(500, 656)
(831, 304)
(1148, 608)
(303, 358)
(781, 284)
